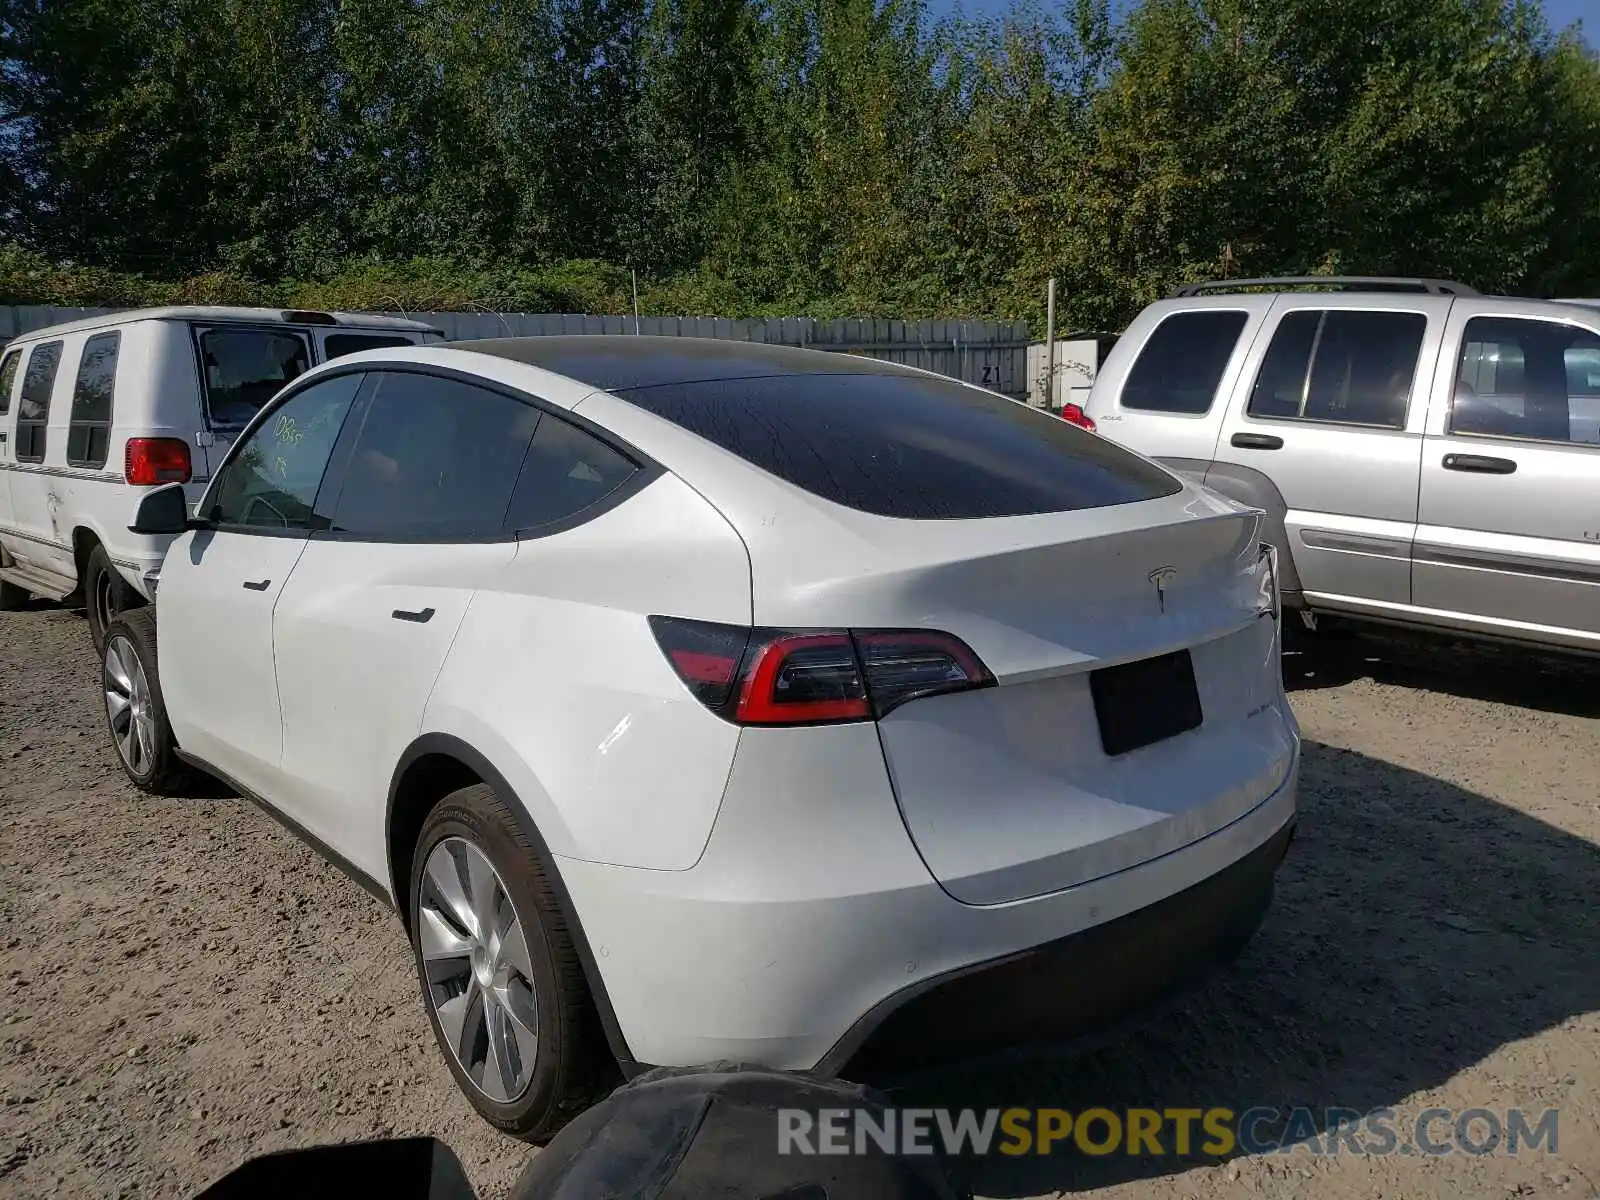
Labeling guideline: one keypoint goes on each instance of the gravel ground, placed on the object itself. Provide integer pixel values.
(185, 986)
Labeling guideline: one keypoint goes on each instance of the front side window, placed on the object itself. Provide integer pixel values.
(245, 367)
(1347, 366)
(8, 380)
(270, 482)
(33, 406)
(1181, 365)
(89, 435)
(912, 446)
(1523, 378)
(435, 460)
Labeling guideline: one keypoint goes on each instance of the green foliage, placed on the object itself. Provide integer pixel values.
(775, 157)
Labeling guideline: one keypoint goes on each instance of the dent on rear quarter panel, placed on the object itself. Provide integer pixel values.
(556, 677)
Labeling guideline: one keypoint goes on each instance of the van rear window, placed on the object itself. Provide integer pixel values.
(339, 344)
(908, 446)
(246, 367)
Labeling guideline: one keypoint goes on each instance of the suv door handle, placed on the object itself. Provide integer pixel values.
(260, 585)
(421, 618)
(1480, 463)
(1256, 441)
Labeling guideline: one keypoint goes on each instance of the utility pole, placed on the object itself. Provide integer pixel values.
(1050, 345)
(635, 275)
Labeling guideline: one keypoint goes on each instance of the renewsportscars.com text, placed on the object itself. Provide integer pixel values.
(1161, 1132)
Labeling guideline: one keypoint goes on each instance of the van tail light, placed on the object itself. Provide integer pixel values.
(1073, 414)
(149, 461)
(813, 677)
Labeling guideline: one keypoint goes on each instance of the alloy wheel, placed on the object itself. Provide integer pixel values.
(479, 974)
(128, 706)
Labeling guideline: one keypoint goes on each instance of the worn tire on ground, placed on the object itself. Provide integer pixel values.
(573, 1068)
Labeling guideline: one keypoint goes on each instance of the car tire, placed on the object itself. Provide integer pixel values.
(496, 1000)
(106, 596)
(13, 596)
(136, 713)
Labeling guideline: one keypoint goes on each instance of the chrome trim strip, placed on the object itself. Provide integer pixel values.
(64, 472)
(1355, 543)
(1563, 570)
(33, 537)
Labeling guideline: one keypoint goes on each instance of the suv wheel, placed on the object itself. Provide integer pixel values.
(107, 595)
(504, 990)
(136, 714)
(13, 596)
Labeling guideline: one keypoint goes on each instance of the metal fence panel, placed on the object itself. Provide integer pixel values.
(991, 354)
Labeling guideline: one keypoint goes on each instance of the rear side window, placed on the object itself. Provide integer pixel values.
(1342, 365)
(8, 380)
(566, 472)
(1182, 362)
(1525, 378)
(908, 446)
(336, 345)
(33, 406)
(244, 368)
(89, 435)
(435, 460)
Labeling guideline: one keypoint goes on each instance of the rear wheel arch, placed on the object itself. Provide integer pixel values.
(1252, 487)
(103, 599)
(84, 542)
(438, 764)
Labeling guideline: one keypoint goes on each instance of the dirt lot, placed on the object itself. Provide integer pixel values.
(185, 986)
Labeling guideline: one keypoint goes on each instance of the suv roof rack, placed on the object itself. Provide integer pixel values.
(1349, 283)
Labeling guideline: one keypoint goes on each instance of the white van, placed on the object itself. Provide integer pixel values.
(93, 411)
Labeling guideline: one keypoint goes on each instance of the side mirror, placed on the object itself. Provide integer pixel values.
(420, 1168)
(162, 511)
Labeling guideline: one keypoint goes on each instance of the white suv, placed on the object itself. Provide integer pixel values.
(95, 411)
(710, 700)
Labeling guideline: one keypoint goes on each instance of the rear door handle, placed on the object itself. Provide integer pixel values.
(1257, 441)
(1481, 464)
(421, 618)
(260, 585)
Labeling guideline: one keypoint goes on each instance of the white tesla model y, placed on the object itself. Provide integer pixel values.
(700, 700)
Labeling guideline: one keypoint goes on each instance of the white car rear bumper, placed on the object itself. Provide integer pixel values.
(810, 921)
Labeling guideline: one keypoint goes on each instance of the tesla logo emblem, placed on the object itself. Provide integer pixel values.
(1162, 577)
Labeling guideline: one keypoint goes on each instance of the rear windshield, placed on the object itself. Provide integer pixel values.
(904, 446)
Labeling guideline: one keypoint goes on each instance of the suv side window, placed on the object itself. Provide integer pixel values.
(1525, 378)
(1181, 364)
(271, 480)
(1347, 366)
(436, 460)
(89, 435)
(566, 472)
(245, 367)
(8, 379)
(33, 406)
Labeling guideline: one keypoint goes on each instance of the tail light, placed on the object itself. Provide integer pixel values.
(813, 677)
(1073, 414)
(149, 461)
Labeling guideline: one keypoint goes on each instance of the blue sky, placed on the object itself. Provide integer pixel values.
(1564, 12)
(1561, 13)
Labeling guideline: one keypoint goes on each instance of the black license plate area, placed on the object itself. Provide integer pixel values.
(1141, 703)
